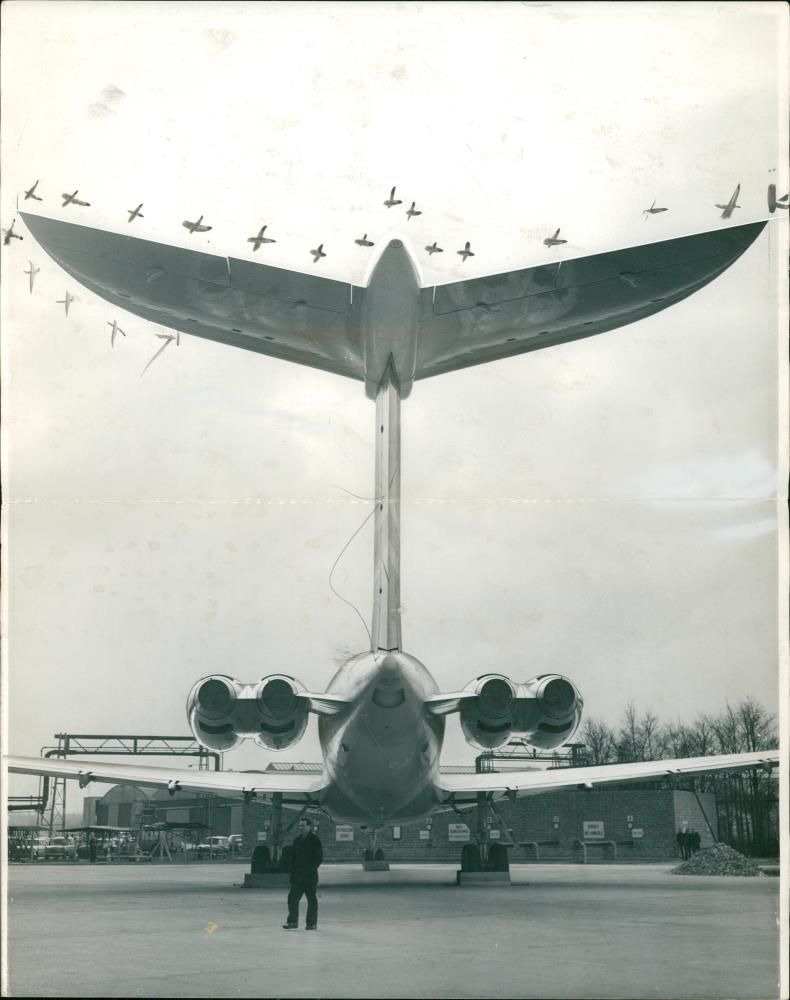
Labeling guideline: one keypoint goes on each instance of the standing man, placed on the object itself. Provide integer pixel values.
(306, 855)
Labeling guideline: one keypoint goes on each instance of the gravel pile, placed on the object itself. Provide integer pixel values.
(717, 860)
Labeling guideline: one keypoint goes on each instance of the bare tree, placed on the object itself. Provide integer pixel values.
(600, 740)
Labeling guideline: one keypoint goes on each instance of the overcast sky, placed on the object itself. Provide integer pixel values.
(606, 509)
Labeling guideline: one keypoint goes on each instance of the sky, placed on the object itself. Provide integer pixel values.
(608, 509)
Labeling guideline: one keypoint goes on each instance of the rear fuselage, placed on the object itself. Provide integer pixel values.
(381, 754)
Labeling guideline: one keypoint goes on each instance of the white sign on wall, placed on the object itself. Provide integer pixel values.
(593, 830)
(425, 834)
(344, 833)
(493, 834)
(637, 832)
(458, 832)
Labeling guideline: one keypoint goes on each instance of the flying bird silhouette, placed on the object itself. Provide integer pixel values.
(318, 253)
(434, 248)
(31, 193)
(466, 252)
(410, 212)
(364, 242)
(135, 213)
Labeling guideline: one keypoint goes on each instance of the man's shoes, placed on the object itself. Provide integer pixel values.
(290, 927)
(311, 927)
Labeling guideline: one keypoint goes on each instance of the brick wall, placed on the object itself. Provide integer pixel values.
(531, 819)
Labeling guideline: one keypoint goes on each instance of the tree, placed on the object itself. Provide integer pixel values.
(599, 738)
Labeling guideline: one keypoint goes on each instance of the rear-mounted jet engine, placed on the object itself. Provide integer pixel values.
(545, 711)
(223, 712)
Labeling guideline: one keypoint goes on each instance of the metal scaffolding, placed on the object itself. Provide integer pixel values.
(111, 745)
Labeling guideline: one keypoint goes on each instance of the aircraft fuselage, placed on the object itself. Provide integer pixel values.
(381, 754)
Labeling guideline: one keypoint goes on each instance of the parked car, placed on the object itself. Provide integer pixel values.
(60, 849)
(235, 843)
(39, 844)
(214, 847)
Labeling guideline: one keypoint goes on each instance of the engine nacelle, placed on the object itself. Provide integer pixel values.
(487, 719)
(282, 712)
(223, 712)
(545, 711)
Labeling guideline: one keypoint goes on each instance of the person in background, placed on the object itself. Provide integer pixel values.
(306, 857)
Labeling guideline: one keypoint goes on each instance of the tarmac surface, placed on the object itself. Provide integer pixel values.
(189, 930)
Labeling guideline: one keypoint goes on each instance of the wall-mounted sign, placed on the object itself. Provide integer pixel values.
(344, 833)
(425, 834)
(262, 835)
(555, 819)
(593, 830)
(629, 819)
(396, 833)
(458, 832)
(637, 832)
(493, 834)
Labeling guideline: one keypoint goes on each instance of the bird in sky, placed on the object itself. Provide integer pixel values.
(195, 227)
(32, 274)
(731, 205)
(553, 241)
(115, 330)
(364, 242)
(66, 302)
(135, 213)
(651, 211)
(410, 212)
(318, 253)
(260, 239)
(466, 252)
(72, 199)
(392, 200)
(10, 235)
(168, 338)
(435, 248)
(31, 193)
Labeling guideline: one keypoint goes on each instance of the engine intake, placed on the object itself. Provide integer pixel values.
(545, 711)
(223, 712)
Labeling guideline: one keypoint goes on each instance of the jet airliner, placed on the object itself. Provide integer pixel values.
(731, 205)
(196, 227)
(32, 274)
(72, 199)
(382, 717)
(554, 241)
(9, 234)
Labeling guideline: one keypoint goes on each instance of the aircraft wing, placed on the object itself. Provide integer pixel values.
(296, 317)
(462, 788)
(295, 787)
(485, 319)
